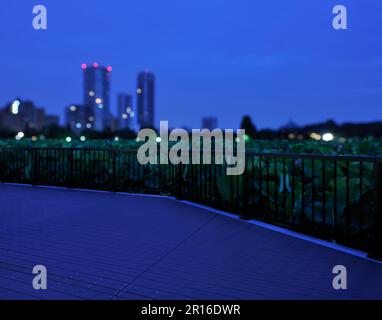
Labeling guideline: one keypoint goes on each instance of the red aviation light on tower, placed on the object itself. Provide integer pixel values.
(109, 69)
(95, 65)
(83, 66)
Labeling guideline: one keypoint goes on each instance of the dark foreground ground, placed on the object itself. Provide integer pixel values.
(114, 246)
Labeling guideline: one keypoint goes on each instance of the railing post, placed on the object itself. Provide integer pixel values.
(35, 167)
(114, 169)
(245, 214)
(179, 182)
(2, 165)
(71, 168)
(377, 247)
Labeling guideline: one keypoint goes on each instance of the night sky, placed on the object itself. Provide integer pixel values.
(275, 60)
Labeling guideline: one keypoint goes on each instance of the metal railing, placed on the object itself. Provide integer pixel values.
(333, 197)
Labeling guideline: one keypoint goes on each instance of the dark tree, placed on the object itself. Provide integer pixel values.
(248, 126)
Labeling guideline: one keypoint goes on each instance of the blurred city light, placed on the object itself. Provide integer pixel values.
(15, 107)
(19, 135)
(68, 139)
(83, 138)
(315, 136)
(328, 137)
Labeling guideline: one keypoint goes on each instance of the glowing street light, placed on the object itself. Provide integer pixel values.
(328, 137)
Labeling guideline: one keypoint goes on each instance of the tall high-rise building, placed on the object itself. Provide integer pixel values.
(125, 112)
(97, 94)
(145, 99)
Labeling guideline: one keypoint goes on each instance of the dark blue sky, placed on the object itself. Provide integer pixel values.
(275, 60)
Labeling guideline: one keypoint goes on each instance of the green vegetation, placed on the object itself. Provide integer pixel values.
(353, 146)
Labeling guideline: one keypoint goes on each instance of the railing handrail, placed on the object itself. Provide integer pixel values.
(345, 157)
(317, 156)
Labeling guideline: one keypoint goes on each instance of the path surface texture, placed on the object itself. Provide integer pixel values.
(100, 245)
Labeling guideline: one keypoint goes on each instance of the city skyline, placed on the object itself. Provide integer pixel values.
(252, 60)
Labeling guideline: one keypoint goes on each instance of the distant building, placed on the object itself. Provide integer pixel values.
(146, 99)
(125, 112)
(51, 121)
(114, 124)
(97, 94)
(22, 115)
(209, 123)
(40, 118)
(78, 118)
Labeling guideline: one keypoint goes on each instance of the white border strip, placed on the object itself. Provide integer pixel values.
(89, 190)
(287, 232)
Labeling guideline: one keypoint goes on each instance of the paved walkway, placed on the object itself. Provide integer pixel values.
(113, 246)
